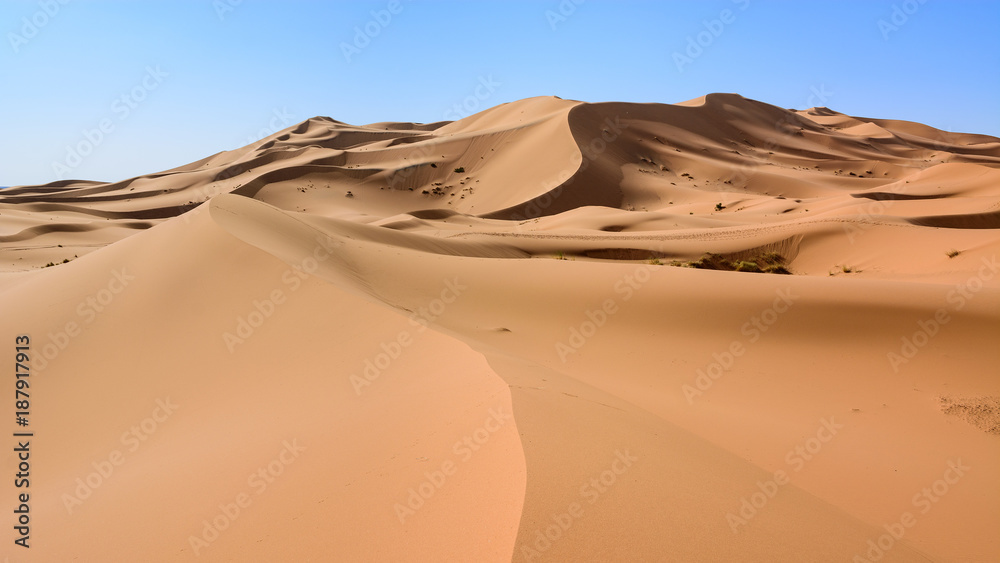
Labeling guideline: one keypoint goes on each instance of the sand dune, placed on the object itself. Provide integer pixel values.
(479, 341)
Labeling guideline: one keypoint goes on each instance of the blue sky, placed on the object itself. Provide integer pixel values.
(143, 86)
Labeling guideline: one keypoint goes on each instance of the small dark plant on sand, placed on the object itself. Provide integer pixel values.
(765, 263)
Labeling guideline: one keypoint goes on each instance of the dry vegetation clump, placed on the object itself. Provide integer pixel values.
(766, 263)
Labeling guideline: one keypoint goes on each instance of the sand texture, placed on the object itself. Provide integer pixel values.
(551, 331)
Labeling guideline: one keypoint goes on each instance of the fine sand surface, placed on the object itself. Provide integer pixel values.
(477, 341)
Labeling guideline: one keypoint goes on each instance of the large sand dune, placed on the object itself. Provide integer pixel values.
(477, 341)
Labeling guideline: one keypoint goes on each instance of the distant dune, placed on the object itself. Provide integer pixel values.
(551, 331)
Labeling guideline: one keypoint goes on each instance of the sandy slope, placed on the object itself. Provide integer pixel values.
(235, 411)
(365, 314)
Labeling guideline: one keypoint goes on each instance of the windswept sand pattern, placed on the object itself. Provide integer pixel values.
(718, 162)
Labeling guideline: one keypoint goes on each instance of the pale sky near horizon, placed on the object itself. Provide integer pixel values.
(107, 90)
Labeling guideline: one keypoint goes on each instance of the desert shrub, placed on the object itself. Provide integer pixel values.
(745, 266)
(766, 263)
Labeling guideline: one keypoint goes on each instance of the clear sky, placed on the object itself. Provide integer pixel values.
(142, 86)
